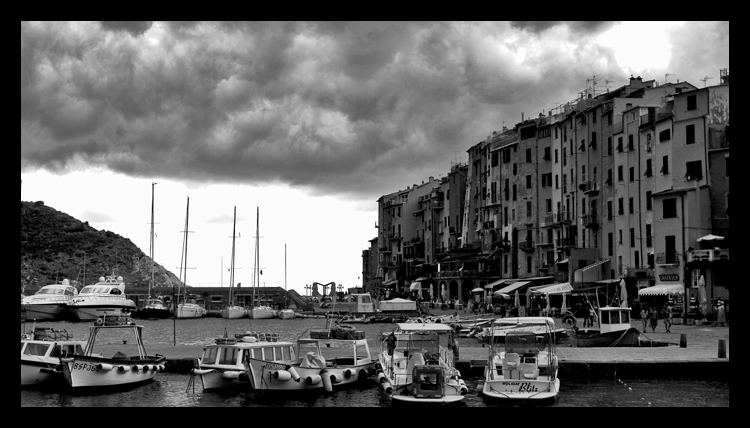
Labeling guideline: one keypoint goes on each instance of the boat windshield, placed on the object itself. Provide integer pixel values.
(92, 289)
(425, 342)
(54, 291)
(115, 343)
(328, 349)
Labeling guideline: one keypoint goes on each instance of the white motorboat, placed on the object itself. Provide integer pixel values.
(50, 303)
(287, 314)
(188, 307)
(40, 355)
(190, 310)
(319, 364)
(106, 297)
(233, 312)
(222, 363)
(130, 364)
(416, 365)
(525, 366)
(261, 312)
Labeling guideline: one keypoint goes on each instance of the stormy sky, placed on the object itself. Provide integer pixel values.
(347, 110)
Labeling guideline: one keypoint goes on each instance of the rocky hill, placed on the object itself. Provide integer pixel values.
(53, 245)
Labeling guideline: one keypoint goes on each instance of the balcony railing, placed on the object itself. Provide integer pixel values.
(710, 255)
(527, 246)
(589, 186)
(590, 221)
(563, 242)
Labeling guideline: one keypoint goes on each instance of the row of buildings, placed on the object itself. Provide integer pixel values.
(619, 185)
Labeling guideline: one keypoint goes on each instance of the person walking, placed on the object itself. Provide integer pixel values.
(653, 319)
(644, 318)
(721, 315)
(591, 315)
(668, 319)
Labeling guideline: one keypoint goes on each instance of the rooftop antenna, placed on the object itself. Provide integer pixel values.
(593, 85)
(667, 75)
(606, 84)
(705, 79)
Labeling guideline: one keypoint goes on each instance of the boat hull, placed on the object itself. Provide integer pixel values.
(91, 313)
(233, 313)
(262, 376)
(82, 372)
(258, 314)
(287, 314)
(45, 311)
(184, 312)
(152, 313)
(36, 372)
(594, 338)
(221, 379)
(515, 389)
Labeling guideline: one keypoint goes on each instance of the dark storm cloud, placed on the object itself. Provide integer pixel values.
(357, 108)
(577, 26)
(136, 28)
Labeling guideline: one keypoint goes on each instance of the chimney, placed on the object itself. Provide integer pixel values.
(432, 178)
(521, 116)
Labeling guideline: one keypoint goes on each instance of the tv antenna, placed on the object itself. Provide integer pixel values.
(606, 84)
(705, 79)
(667, 75)
(593, 85)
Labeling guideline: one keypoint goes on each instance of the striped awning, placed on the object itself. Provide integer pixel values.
(512, 287)
(662, 290)
(561, 288)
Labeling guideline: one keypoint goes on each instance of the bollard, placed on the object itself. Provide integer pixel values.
(683, 340)
(722, 348)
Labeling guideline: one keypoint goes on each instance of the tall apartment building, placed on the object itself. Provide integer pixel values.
(616, 185)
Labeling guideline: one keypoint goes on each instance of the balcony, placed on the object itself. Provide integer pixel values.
(661, 259)
(561, 218)
(394, 237)
(589, 187)
(590, 221)
(454, 231)
(563, 242)
(546, 242)
(527, 246)
(488, 225)
(710, 255)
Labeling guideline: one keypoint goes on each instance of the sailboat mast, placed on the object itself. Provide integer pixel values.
(151, 245)
(257, 251)
(231, 272)
(285, 295)
(187, 217)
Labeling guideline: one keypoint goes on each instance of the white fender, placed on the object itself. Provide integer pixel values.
(381, 377)
(327, 384)
(348, 373)
(121, 369)
(231, 374)
(336, 378)
(281, 375)
(104, 367)
(294, 374)
(202, 371)
(313, 379)
(387, 387)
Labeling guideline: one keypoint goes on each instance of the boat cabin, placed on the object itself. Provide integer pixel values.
(355, 303)
(63, 289)
(231, 351)
(40, 348)
(335, 352)
(612, 318)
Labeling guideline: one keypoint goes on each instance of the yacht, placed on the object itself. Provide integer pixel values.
(233, 311)
(106, 297)
(261, 312)
(154, 306)
(416, 365)
(50, 303)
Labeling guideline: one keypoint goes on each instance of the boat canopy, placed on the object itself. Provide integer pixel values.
(424, 327)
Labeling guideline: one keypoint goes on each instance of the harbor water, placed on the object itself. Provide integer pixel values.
(176, 390)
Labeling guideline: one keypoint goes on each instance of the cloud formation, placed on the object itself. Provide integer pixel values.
(351, 108)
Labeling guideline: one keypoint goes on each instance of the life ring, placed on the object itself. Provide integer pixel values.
(99, 321)
(569, 321)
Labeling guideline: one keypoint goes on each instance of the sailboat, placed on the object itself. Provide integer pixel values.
(258, 311)
(154, 307)
(233, 311)
(188, 308)
(286, 313)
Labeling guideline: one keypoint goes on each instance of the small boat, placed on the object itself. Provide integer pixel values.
(125, 367)
(287, 314)
(416, 365)
(261, 312)
(614, 330)
(232, 311)
(222, 363)
(50, 303)
(188, 307)
(318, 364)
(525, 366)
(40, 355)
(496, 332)
(106, 297)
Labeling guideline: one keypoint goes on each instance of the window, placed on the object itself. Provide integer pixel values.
(549, 206)
(228, 356)
(555, 155)
(609, 177)
(619, 232)
(670, 208)
(505, 215)
(619, 173)
(514, 192)
(664, 165)
(593, 140)
(610, 244)
(556, 132)
(547, 153)
(507, 190)
(505, 263)
(691, 102)
(609, 210)
(528, 155)
(557, 178)
(632, 237)
(648, 235)
(669, 249)
(515, 168)
(495, 158)
(609, 146)
(690, 134)
(648, 172)
(620, 206)
(630, 205)
(665, 135)
(583, 173)
(630, 142)
(694, 171)
(619, 144)
(528, 182)
(506, 156)
(648, 200)
(38, 349)
(632, 174)
(528, 264)
(528, 208)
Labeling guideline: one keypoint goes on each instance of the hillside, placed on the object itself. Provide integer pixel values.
(53, 245)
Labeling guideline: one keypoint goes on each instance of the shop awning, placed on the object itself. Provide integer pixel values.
(389, 282)
(662, 290)
(512, 287)
(562, 262)
(478, 290)
(710, 237)
(495, 283)
(591, 273)
(561, 288)
(415, 286)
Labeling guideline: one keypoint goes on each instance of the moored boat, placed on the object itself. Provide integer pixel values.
(130, 364)
(416, 365)
(50, 303)
(106, 297)
(40, 355)
(524, 366)
(261, 312)
(614, 330)
(286, 314)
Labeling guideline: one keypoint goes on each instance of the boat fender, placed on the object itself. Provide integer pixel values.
(202, 371)
(313, 379)
(335, 378)
(121, 369)
(387, 387)
(104, 367)
(135, 367)
(463, 389)
(281, 375)
(347, 373)
(292, 371)
(231, 374)
(363, 374)
(161, 367)
(327, 384)
(381, 377)
(243, 377)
